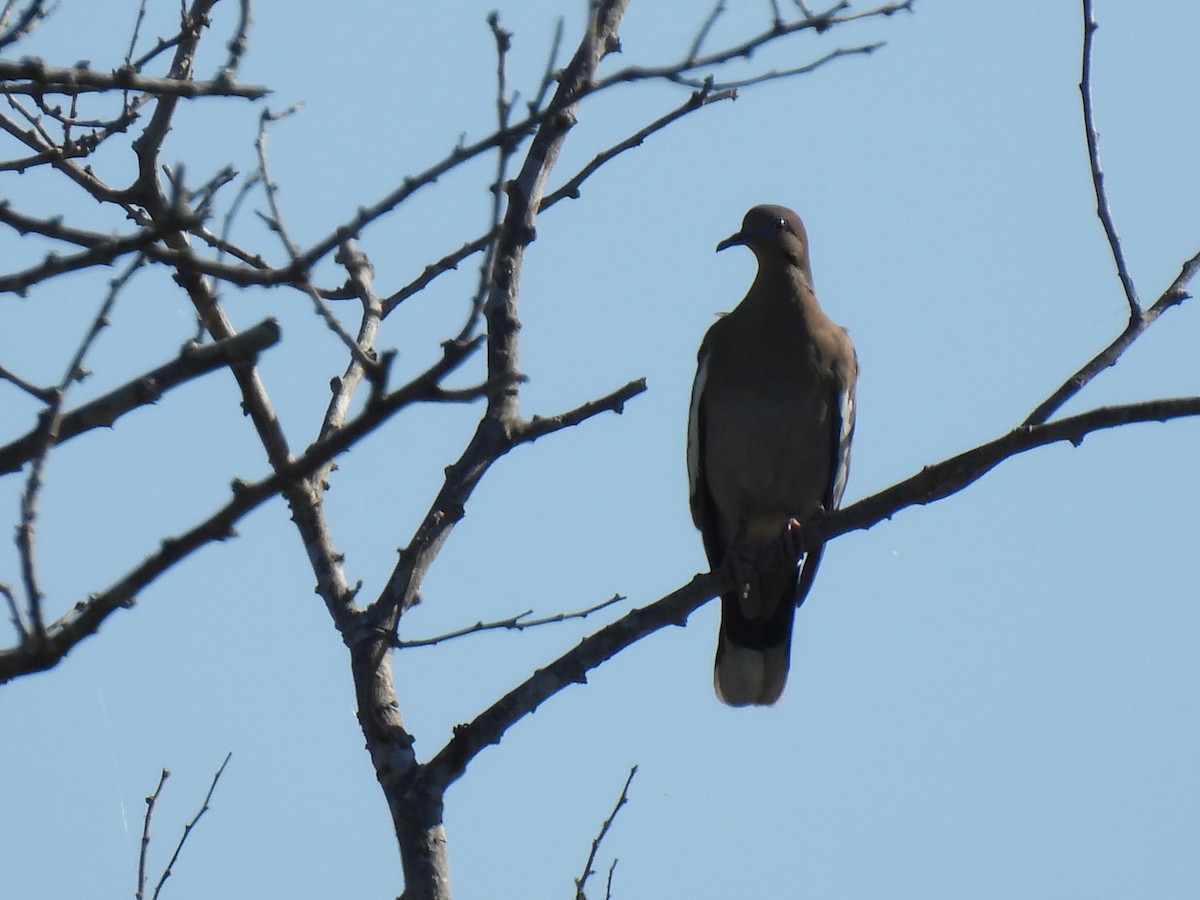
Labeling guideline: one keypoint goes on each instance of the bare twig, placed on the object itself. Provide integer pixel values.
(45, 395)
(614, 401)
(25, 23)
(493, 437)
(14, 612)
(548, 74)
(447, 263)
(151, 801)
(504, 153)
(237, 44)
(1093, 138)
(137, 30)
(1110, 355)
(146, 190)
(588, 871)
(700, 98)
(519, 622)
(187, 829)
(776, 74)
(45, 437)
(275, 222)
(706, 27)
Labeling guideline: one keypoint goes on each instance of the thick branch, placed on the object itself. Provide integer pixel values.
(193, 361)
(952, 475)
(103, 253)
(32, 76)
(571, 668)
(930, 484)
(494, 437)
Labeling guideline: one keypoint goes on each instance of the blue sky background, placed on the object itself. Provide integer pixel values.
(994, 696)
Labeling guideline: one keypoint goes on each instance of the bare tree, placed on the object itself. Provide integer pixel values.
(91, 128)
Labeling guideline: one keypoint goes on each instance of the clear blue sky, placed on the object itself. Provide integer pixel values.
(995, 696)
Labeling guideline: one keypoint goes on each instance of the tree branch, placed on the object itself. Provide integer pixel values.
(931, 483)
(519, 622)
(1139, 319)
(588, 871)
(187, 829)
(151, 802)
(194, 360)
(700, 98)
(33, 77)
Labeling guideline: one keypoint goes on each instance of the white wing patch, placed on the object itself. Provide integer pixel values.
(841, 461)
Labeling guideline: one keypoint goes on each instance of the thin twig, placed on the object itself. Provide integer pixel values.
(777, 74)
(237, 45)
(447, 263)
(187, 829)
(700, 98)
(599, 838)
(275, 222)
(706, 27)
(1175, 294)
(26, 22)
(14, 612)
(548, 74)
(570, 189)
(504, 153)
(493, 436)
(45, 395)
(1093, 139)
(46, 437)
(150, 804)
(519, 622)
(137, 29)
(538, 115)
(612, 870)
